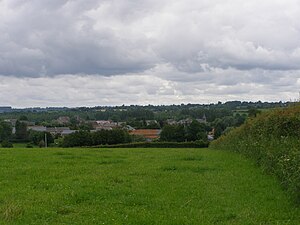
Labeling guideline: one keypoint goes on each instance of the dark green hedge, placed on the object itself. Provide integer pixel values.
(272, 139)
(196, 144)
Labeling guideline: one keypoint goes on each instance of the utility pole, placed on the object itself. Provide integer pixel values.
(46, 140)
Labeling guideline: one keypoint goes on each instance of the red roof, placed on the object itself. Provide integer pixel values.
(147, 133)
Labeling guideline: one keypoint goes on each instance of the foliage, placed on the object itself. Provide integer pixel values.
(272, 139)
(101, 137)
(173, 133)
(23, 117)
(196, 131)
(137, 138)
(195, 144)
(21, 130)
(29, 145)
(41, 144)
(221, 124)
(253, 112)
(135, 114)
(35, 137)
(6, 144)
(80, 138)
(5, 131)
(180, 133)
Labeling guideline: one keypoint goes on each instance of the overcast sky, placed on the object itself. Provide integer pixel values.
(114, 52)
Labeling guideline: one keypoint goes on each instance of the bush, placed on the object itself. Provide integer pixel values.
(42, 144)
(6, 144)
(196, 144)
(85, 138)
(29, 145)
(272, 139)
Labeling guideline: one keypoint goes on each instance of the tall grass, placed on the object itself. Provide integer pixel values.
(272, 139)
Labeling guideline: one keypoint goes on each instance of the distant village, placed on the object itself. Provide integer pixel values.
(95, 125)
(175, 123)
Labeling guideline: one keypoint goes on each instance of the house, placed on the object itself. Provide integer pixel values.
(28, 123)
(185, 121)
(171, 122)
(211, 135)
(52, 130)
(149, 134)
(105, 125)
(203, 120)
(63, 120)
(129, 128)
(11, 121)
(151, 122)
(37, 128)
(57, 130)
(67, 132)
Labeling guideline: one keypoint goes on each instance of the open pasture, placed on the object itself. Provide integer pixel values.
(138, 186)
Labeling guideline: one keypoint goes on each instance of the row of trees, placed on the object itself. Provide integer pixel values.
(102, 137)
(129, 114)
(180, 133)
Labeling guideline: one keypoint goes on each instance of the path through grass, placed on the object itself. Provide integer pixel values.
(138, 186)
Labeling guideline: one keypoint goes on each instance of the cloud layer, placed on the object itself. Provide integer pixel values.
(146, 51)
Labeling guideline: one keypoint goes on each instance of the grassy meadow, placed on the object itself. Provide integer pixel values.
(138, 186)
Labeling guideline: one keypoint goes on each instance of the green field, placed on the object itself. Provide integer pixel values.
(138, 186)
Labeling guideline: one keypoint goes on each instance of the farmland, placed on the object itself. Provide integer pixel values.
(138, 186)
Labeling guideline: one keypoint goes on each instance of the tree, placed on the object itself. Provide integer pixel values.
(35, 137)
(42, 144)
(253, 112)
(6, 144)
(174, 133)
(5, 131)
(196, 131)
(24, 118)
(80, 138)
(115, 136)
(21, 130)
(101, 137)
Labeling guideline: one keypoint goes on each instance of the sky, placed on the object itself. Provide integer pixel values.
(113, 52)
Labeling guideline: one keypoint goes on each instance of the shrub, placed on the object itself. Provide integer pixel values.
(272, 139)
(29, 145)
(6, 144)
(42, 144)
(196, 144)
(85, 138)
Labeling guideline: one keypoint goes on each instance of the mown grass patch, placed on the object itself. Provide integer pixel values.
(138, 186)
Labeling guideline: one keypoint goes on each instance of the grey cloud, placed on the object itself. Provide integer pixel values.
(55, 37)
(116, 37)
(87, 90)
(96, 52)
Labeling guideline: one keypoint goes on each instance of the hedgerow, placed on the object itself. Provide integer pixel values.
(272, 139)
(194, 144)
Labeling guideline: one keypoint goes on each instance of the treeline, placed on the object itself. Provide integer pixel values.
(101, 137)
(181, 133)
(193, 144)
(22, 135)
(118, 138)
(135, 113)
(272, 139)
